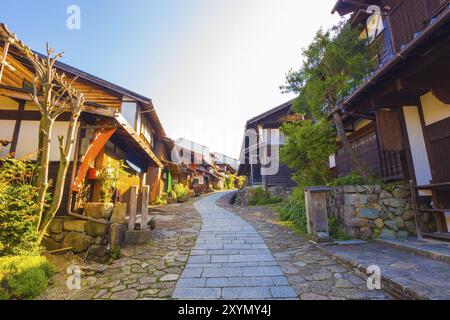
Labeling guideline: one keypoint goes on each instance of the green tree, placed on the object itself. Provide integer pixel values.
(335, 62)
(309, 145)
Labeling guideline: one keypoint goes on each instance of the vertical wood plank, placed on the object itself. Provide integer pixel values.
(144, 207)
(132, 205)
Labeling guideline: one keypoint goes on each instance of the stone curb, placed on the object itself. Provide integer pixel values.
(391, 286)
(424, 253)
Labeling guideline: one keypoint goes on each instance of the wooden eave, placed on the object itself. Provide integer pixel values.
(420, 67)
(136, 138)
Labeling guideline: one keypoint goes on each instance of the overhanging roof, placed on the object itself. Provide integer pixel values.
(441, 23)
(287, 105)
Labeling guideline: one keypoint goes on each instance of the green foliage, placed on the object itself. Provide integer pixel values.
(335, 62)
(294, 211)
(18, 208)
(230, 181)
(115, 254)
(181, 192)
(336, 231)
(162, 199)
(353, 179)
(261, 197)
(23, 277)
(307, 150)
(109, 177)
(240, 181)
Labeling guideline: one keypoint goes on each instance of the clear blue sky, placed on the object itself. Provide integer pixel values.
(208, 65)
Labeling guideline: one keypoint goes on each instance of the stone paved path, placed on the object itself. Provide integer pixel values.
(230, 260)
(143, 272)
(313, 274)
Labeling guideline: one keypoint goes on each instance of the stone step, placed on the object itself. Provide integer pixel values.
(437, 250)
(404, 275)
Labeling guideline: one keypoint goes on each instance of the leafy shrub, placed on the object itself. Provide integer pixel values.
(240, 181)
(230, 181)
(23, 277)
(294, 211)
(261, 197)
(18, 209)
(353, 179)
(110, 176)
(181, 192)
(161, 199)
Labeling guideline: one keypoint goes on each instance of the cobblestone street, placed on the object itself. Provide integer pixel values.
(143, 272)
(205, 250)
(313, 274)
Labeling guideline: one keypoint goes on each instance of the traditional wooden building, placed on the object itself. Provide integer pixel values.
(117, 124)
(399, 119)
(260, 149)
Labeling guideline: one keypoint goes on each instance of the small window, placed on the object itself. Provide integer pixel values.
(27, 85)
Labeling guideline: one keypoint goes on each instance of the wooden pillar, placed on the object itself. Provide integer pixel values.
(98, 184)
(15, 137)
(144, 207)
(132, 207)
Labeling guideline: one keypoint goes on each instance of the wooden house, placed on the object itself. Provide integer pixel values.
(399, 119)
(260, 149)
(117, 124)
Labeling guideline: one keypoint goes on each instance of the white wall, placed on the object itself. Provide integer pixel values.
(433, 109)
(6, 133)
(417, 144)
(28, 140)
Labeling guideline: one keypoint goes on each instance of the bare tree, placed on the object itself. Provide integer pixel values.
(54, 95)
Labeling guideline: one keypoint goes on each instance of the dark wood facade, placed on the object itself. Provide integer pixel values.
(408, 98)
(257, 141)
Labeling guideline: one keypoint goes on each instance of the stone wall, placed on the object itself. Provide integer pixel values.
(378, 211)
(243, 195)
(282, 192)
(82, 235)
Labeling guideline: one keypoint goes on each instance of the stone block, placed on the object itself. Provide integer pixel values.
(357, 223)
(408, 215)
(94, 228)
(119, 213)
(400, 223)
(137, 237)
(391, 224)
(98, 210)
(379, 223)
(366, 233)
(51, 244)
(368, 213)
(401, 193)
(117, 235)
(349, 212)
(56, 226)
(388, 234)
(78, 241)
(98, 251)
(402, 235)
(356, 199)
(385, 195)
(74, 225)
(394, 202)
(58, 237)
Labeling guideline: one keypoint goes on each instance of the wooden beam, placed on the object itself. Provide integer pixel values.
(144, 207)
(442, 94)
(358, 115)
(15, 137)
(132, 207)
